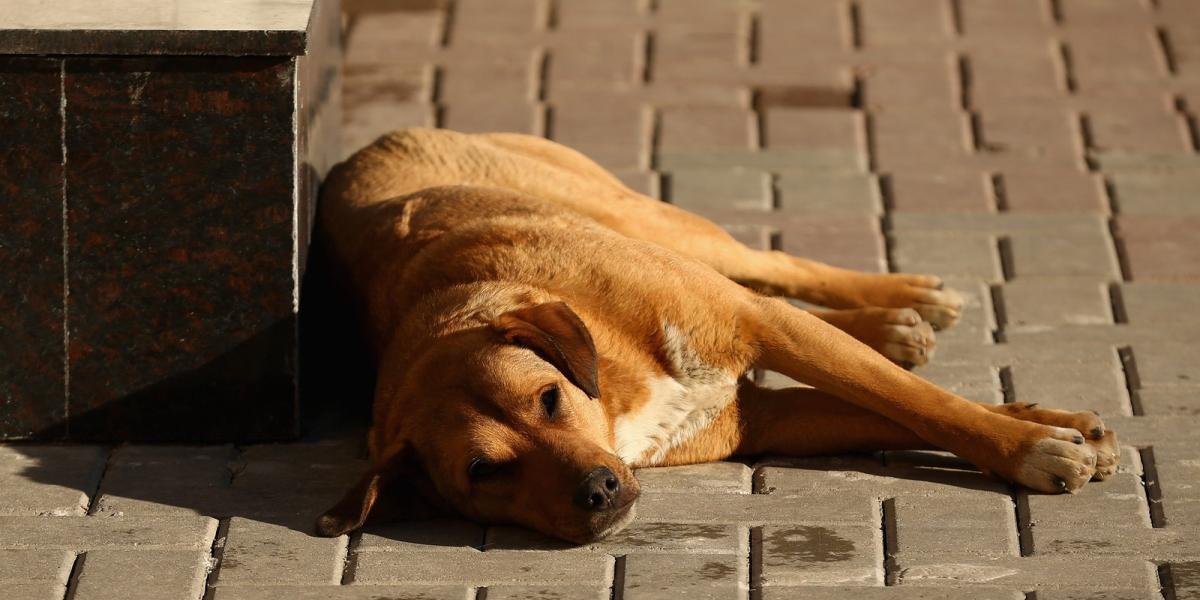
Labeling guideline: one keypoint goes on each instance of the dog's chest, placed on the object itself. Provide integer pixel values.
(680, 405)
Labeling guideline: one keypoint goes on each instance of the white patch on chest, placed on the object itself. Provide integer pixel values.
(681, 404)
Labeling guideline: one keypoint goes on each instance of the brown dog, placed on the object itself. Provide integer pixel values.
(540, 329)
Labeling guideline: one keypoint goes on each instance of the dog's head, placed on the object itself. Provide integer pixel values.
(502, 424)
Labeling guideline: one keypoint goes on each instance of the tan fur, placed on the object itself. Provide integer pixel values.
(444, 234)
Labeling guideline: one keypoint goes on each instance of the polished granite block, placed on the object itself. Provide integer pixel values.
(170, 187)
(31, 295)
(180, 265)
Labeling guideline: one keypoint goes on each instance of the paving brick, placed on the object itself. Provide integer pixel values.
(484, 568)
(27, 566)
(1119, 502)
(346, 592)
(1034, 133)
(1064, 254)
(720, 477)
(258, 553)
(1161, 304)
(639, 537)
(908, 592)
(555, 592)
(1157, 544)
(1035, 303)
(516, 16)
(694, 576)
(816, 509)
(373, 119)
(614, 134)
(421, 536)
(485, 115)
(817, 555)
(1157, 193)
(908, 137)
(1186, 576)
(922, 80)
(86, 533)
(693, 129)
(1045, 572)
(947, 254)
(1163, 248)
(141, 574)
(1166, 364)
(738, 188)
(1039, 191)
(585, 14)
(951, 191)
(1138, 128)
(49, 480)
(904, 22)
(381, 37)
(980, 383)
(1093, 386)
(823, 193)
(1003, 73)
(1181, 401)
(846, 241)
(835, 130)
(600, 56)
(42, 590)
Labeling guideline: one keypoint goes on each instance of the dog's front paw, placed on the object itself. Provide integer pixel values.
(1056, 459)
(939, 306)
(897, 333)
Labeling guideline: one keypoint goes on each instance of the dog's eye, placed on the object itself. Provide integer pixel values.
(480, 468)
(550, 401)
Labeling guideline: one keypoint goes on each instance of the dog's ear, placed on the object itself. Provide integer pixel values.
(395, 491)
(558, 335)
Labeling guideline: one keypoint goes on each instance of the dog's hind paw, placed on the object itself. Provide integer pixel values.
(939, 306)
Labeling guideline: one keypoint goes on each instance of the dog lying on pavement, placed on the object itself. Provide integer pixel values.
(540, 330)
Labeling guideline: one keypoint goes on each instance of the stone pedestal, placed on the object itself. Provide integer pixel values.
(159, 162)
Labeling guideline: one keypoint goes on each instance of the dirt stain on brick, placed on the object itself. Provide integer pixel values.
(655, 534)
(810, 544)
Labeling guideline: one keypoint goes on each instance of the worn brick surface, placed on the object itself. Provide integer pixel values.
(1040, 156)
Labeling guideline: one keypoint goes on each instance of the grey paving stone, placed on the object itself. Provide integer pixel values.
(738, 188)
(1084, 542)
(977, 382)
(817, 555)
(142, 574)
(1166, 364)
(1182, 401)
(431, 535)
(653, 576)
(1161, 303)
(820, 193)
(23, 566)
(1155, 193)
(955, 542)
(999, 223)
(1119, 501)
(823, 161)
(1186, 575)
(346, 592)
(41, 590)
(1041, 572)
(638, 537)
(170, 466)
(964, 509)
(1080, 387)
(87, 533)
(905, 592)
(49, 480)
(1032, 303)
(258, 553)
(144, 498)
(1084, 253)
(943, 253)
(719, 477)
(483, 568)
(551, 592)
(754, 508)
(1094, 594)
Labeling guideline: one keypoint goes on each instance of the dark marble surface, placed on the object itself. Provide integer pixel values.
(180, 246)
(31, 285)
(152, 27)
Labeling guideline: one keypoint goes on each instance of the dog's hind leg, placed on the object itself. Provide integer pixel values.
(790, 341)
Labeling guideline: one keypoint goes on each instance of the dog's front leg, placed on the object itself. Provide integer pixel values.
(803, 347)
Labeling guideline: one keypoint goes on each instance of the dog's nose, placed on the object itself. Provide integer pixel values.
(598, 490)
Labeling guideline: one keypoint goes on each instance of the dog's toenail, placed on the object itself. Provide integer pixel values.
(1077, 439)
(1031, 405)
(1097, 432)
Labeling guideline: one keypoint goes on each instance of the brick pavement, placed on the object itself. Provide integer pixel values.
(1039, 154)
